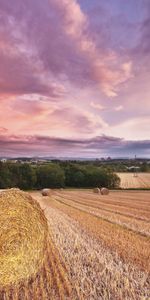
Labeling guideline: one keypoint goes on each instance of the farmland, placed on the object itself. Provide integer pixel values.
(130, 181)
(98, 247)
(30, 266)
(103, 242)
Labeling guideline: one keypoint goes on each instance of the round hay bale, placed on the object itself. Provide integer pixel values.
(96, 190)
(104, 191)
(23, 237)
(46, 192)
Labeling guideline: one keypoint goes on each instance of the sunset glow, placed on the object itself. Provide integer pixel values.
(75, 78)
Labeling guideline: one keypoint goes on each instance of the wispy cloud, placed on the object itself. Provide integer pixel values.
(119, 108)
(50, 146)
(32, 51)
(97, 105)
(74, 69)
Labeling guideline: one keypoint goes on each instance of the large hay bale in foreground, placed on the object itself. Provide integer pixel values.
(46, 192)
(96, 190)
(104, 191)
(23, 237)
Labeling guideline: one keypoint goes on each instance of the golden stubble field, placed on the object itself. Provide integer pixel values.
(103, 242)
(30, 264)
(130, 181)
(99, 248)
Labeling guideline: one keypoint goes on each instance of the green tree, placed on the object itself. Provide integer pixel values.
(144, 167)
(50, 176)
(27, 177)
(75, 175)
(5, 176)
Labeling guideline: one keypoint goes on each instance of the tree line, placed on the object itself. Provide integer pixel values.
(55, 175)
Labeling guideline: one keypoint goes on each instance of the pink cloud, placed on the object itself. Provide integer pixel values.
(100, 63)
(3, 130)
(119, 108)
(22, 70)
(97, 106)
(46, 117)
(132, 129)
(57, 71)
(36, 53)
(60, 147)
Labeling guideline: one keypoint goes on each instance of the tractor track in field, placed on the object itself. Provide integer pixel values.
(114, 236)
(86, 203)
(96, 265)
(98, 215)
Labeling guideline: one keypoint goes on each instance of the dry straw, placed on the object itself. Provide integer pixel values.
(104, 191)
(23, 237)
(96, 191)
(46, 192)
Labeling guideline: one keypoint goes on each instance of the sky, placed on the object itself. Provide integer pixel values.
(75, 78)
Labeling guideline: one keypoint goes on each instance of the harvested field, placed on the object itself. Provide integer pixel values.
(98, 247)
(30, 264)
(104, 241)
(130, 181)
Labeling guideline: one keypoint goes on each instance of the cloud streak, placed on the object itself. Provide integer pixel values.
(52, 146)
